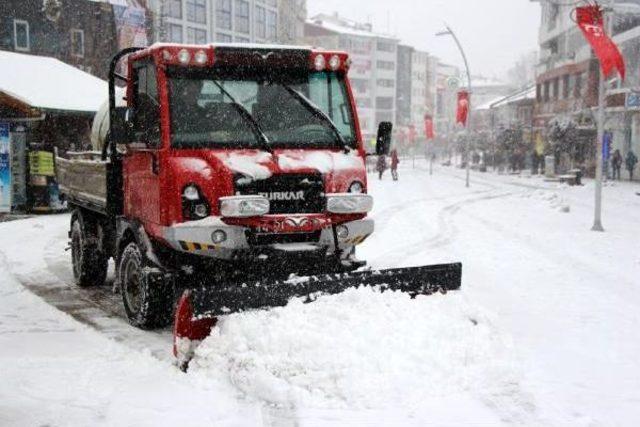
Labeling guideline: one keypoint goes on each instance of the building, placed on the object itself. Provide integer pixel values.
(81, 33)
(404, 85)
(224, 21)
(419, 89)
(567, 86)
(448, 83)
(292, 15)
(374, 63)
(37, 115)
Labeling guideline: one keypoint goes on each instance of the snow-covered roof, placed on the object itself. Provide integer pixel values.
(487, 105)
(345, 29)
(529, 93)
(49, 84)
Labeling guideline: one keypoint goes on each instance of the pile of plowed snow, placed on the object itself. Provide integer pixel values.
(360, 349)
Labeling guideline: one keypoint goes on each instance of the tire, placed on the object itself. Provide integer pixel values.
(88, 261)
(147, 298)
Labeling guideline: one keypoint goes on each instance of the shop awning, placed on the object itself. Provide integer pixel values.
(48, 84)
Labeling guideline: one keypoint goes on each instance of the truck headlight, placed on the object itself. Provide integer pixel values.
(194, 204)
(244, 206)
(356, 187)
(191, 192)
(349, 203)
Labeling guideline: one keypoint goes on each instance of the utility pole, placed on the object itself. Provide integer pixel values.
(597, 217)
(449, 32)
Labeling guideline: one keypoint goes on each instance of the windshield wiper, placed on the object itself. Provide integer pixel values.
(262, 138)
(318, 113)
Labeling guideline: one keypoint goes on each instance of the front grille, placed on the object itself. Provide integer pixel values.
(287, 193)
(259, 239)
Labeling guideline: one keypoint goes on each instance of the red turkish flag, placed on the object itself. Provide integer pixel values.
(428, 127)
(591, 22)
(463, 107)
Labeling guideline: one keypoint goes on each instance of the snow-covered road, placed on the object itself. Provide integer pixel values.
(545, 331)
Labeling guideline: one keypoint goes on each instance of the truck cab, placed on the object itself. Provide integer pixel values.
(224, 158)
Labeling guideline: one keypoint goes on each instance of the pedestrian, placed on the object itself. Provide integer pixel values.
(394, 164)
(616, 164)
(631, 163)
(382, 165)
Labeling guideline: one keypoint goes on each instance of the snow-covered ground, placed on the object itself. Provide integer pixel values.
(546, 330)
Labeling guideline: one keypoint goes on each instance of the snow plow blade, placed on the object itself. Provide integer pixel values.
(198, 308)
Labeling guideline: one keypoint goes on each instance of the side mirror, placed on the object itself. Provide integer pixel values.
(383, 141)
(122, 126)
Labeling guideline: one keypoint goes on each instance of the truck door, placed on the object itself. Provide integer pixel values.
(140, 164)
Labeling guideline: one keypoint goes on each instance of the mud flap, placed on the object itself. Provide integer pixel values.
(198, 308)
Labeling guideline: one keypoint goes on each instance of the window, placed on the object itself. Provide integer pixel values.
(77, 43)
(386, 83)
(272, 26)
(223, 14)
(196, 36)
(174, 33)
(203, 114)
(384, 103)
(242, 40)
(197, 11)
(556, 88)
(146, 120)
(539, 92)
(174, 9)
(546, 91)
(566, 86)
(21, 35)
(386, 47)
(242, 16)
(386, 65)
(224, 38)
(261, 22)
(577, 87)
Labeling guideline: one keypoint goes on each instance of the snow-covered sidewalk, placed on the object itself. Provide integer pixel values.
(545, 331)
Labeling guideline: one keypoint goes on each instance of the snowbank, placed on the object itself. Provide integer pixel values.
(360, 349)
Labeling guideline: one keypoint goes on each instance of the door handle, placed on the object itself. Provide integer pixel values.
(154, 164)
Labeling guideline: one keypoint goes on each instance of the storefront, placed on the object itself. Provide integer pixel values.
(44, 104)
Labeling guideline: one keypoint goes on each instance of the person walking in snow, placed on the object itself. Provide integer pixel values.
(631, 163)
(382, 165)
(394, 164)
(616, 164)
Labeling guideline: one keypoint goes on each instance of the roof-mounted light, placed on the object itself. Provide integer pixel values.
(184, 56)
(334, 62)
(201, 57)
(319, 62)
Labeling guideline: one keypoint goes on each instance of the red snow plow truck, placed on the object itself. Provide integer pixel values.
(227, 178)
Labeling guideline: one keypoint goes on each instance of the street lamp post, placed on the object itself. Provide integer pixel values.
(449, 32)
(597, 217)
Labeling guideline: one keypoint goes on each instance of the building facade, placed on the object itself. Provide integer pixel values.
(372, 74)
(228, 21)
(404, 85)
(567, 78)
(419, 89)
(79, 32)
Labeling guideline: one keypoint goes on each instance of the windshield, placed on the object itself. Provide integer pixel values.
(222, 109)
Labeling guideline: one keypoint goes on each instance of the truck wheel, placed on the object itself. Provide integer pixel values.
(148, 300)
(89, 263)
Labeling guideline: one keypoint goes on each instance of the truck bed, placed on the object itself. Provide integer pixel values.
(82, 178)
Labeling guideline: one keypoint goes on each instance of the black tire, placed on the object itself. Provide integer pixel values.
(88, 261)
(148, 300)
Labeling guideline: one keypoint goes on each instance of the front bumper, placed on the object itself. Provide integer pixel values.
(196, 238)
